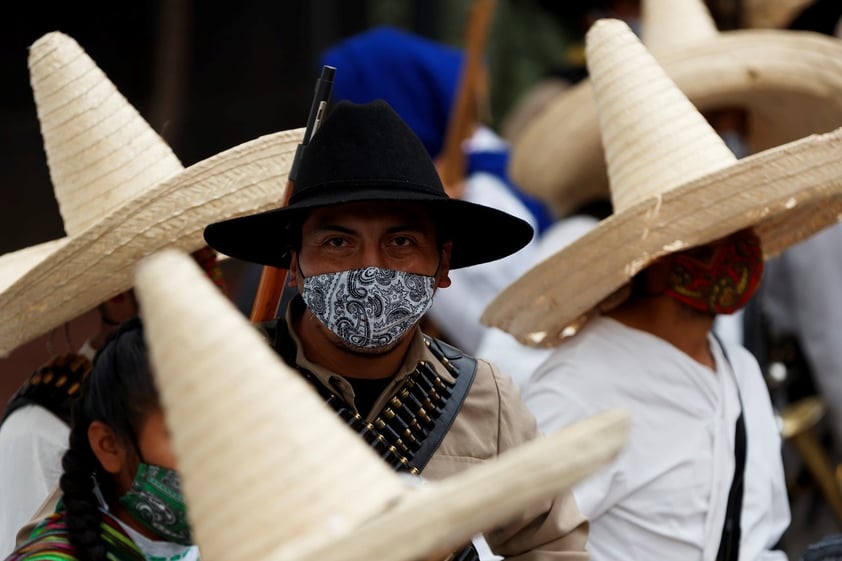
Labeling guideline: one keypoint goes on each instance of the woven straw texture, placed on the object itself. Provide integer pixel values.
(122, 194)
(100, 151)
(269, 472)
(790, 82)
(263, 461)
(787, 193)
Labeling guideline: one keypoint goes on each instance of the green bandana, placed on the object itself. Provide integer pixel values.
(155, 501)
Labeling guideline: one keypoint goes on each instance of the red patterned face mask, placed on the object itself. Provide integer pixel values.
(720, 277)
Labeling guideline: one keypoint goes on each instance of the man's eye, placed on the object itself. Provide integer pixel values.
(336, 242)
(401, 241)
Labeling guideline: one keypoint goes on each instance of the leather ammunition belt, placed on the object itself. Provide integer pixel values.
(414, 421)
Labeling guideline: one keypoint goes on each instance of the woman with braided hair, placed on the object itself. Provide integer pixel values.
(120, 494)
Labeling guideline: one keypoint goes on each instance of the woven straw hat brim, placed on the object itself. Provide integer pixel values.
(80, 272)
(14, 264)
(257, 445)
(448, 513)
(789, 81)
(786, 193)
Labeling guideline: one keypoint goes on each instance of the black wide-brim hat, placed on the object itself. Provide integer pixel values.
(365, 152)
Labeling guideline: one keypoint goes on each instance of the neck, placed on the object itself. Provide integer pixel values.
(681, 326)
(320, 347)
(120, 513)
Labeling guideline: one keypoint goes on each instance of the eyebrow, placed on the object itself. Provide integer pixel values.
(406, 227)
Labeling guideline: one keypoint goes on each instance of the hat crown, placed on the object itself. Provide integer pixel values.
(654, 138)
(101, 153)
(360, 146)
(315, 482)
(670, 24)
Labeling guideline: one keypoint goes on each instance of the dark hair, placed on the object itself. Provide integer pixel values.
(120, 392)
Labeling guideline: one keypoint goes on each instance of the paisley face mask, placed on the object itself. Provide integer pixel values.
(719, 278)
(155, 501)
(369, 308)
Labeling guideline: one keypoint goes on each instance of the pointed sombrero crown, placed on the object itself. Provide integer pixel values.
(674, 185)
(269, 471)
(121, 192)
(789, 83)
(100, 151)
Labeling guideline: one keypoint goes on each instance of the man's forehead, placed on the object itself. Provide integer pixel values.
(398, 212)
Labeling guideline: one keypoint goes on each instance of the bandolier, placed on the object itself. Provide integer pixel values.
(409, 428)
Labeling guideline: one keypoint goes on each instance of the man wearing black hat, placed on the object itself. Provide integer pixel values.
(369, 235)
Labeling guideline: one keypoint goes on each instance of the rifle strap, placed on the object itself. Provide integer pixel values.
(729, 544)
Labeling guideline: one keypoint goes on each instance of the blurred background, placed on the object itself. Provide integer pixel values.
(210, 75)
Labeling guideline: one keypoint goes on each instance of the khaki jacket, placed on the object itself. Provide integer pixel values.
(493, 419)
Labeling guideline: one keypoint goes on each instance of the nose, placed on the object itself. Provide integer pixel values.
(372, 256)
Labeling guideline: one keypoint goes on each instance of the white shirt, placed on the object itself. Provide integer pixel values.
(160, 550)
(456, 309)
(32, 442)
(503, 350)
(664, 497)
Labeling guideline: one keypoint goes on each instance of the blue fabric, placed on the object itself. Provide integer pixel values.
(418, 77)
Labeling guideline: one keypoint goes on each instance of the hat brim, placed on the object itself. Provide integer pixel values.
(479, 233)
(445, 514)
(15, 264)
(790, 82)
(288, 454)
(82, 271)
(786, 193)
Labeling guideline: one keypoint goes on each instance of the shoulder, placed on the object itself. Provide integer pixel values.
(54, 386)
(49, 541)
(588, 356)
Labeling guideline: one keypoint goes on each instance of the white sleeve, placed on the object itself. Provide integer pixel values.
(32, 442)
(557, 403)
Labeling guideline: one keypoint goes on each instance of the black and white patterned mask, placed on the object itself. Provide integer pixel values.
(369, 308)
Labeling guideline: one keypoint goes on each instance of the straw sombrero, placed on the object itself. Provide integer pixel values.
(790, 83)
(121, 192)
(269, 472)
(347, 162)
(674, 185)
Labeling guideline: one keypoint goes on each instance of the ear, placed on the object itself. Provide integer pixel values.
(444, 265)
(107, 447)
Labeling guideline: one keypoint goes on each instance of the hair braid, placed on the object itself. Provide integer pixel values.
(77, 486)
(119, 392)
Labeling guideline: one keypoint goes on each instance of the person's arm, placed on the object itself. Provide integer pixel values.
(555, 530)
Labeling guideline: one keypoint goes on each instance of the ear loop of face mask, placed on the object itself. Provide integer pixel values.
(97, 491)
